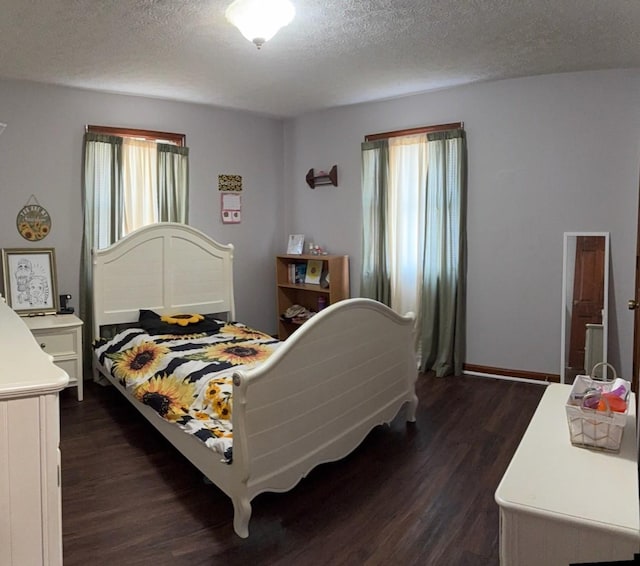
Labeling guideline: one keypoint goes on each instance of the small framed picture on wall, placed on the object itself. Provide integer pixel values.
(29, 276)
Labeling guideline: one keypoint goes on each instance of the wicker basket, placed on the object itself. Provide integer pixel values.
(589, 428)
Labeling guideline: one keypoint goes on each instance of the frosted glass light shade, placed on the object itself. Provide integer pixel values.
(260, 20)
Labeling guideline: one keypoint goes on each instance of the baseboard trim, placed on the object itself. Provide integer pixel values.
(513, 374)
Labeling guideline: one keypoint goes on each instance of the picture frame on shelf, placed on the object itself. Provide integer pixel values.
(295, 245)
(30, 282)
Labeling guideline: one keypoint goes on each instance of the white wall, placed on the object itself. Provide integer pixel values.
(547, 155)
(41, 154)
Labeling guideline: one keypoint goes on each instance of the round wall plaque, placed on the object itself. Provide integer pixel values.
(33, 222)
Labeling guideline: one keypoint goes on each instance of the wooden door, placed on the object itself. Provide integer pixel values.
(588, 295)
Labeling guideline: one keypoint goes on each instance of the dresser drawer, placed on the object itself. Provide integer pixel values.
(59, 343)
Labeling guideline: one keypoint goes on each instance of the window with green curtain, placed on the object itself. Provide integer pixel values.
(414, 186)
(131, 178)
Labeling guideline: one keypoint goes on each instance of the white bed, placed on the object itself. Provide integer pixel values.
(359, 344)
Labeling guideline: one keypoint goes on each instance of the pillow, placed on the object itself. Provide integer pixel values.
(153, 323)
(182, 319)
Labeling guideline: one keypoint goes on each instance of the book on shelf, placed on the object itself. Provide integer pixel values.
(300, 273)
(291, 273)
(314, 271)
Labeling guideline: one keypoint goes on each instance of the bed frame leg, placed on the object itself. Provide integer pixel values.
(411, 408)
(241, 516)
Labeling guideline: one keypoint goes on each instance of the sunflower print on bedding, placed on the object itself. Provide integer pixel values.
(187, 379)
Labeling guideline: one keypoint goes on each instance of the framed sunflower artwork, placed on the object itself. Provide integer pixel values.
(29, 277)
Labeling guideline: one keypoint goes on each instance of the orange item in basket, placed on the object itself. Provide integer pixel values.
(615, 403)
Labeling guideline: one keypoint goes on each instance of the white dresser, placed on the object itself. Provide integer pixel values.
(30, 496)
(562, 504)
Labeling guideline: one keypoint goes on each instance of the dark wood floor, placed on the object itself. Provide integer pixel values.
(410, 494)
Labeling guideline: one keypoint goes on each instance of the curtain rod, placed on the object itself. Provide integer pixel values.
(178, 139)
(413, 131)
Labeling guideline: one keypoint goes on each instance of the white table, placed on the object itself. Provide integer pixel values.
(560, 503)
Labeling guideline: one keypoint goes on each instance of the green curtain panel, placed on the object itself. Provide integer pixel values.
(102, 210)
(442, 332)
(374, 281)
(173, 183)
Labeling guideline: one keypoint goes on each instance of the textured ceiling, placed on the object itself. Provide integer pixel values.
(335, 52)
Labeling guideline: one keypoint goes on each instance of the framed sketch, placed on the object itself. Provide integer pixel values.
(30, 285)
(296, 244)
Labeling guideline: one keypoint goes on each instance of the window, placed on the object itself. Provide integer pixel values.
(136, 176)
(414, 199)
(131, 178)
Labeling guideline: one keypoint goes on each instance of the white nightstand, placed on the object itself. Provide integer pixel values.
(60, 336)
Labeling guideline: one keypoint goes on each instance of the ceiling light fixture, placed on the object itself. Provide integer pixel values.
(260, 20)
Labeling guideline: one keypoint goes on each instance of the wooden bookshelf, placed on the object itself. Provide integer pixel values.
(290, 293)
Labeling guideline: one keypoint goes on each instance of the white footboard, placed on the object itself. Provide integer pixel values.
(348, 369)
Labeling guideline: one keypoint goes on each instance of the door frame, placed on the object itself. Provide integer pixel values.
(564, 334)
(636, 314)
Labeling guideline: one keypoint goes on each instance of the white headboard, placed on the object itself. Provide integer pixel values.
(168, 268)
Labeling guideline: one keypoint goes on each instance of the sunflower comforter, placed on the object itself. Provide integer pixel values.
(186, 379)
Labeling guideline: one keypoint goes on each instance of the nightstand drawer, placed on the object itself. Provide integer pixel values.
(57, 343)
(60, 336)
